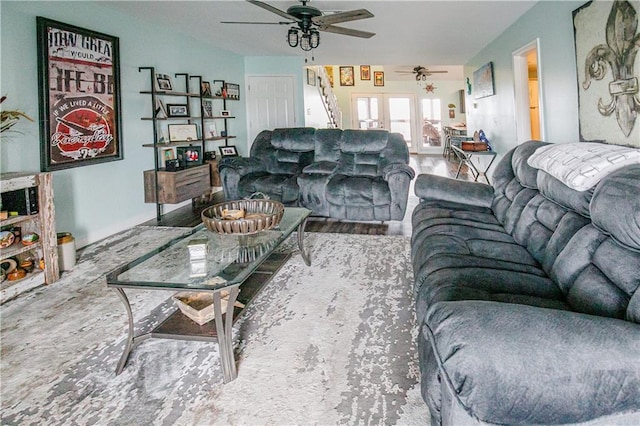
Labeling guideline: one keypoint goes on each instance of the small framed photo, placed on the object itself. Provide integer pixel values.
(210, 155)
(168, 155)
(163, 82)
(233, 91)
(365, 72)
(225, 113)
(228, 151)
(378, 78)
(346, 76)
(311, 77)
(211, 130)
(205, 90)
(183, 132)
(189, 156)
(207, 108)
(216, 87)
(177, 110)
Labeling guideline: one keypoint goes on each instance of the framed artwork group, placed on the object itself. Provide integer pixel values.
(347, 75)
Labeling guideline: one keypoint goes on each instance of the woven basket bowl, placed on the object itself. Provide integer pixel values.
(272, 211)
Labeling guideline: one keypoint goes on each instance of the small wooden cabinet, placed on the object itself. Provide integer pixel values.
(176, 187)
(42, 223)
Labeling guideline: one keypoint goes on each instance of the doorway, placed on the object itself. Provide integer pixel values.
(394, 112)
(270, 104)
(528, 90)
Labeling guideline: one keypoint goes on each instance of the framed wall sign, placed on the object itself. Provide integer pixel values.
(79, 91)
(606, 44)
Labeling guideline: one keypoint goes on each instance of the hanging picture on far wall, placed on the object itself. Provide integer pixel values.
(483, 81)
(606, 45)
(346, 76)
(79, 92)
(378, 78)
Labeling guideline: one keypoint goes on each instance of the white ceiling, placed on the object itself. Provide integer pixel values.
(434, 34)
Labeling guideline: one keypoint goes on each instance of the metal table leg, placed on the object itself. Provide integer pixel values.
(303, 253)
(224, 329)
(131, 338)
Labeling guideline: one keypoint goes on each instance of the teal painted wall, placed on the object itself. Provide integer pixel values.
(552, 23)
(93, 202)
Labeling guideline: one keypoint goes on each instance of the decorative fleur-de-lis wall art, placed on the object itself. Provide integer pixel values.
(618, 55)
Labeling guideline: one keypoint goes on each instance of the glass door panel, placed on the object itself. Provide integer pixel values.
(431, 126)
(367, 112)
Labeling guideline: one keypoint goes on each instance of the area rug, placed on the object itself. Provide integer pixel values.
(327, 344)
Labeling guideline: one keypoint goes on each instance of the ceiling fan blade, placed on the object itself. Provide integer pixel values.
(346, 31)
(258, 23)
(436, 72)
(336, 18)
(274, 10)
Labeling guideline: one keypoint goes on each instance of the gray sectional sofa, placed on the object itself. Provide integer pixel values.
(343, 174)
(527, 297)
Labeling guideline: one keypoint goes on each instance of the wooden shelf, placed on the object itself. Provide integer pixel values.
(43, 223)
(169, 118)
(164, 93)
(217, 117)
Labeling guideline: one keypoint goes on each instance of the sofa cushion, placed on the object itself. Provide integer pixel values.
(516, 364)
(279, 187)
(616, 206)
(299, 139)
(561, 194)
(281, 161)
(358, 191)
(327, 146)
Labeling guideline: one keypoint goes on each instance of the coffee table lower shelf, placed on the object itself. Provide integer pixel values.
(178, 326)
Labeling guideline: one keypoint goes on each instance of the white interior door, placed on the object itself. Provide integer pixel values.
(270, 104)
(394, 112)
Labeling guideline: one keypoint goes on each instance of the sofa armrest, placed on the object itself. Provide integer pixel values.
(240, 165)
(320, 168)
(514, 364)
(393, 168)
(432, 187)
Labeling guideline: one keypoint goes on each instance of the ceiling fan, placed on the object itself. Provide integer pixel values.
(421, 72)
(310, 21)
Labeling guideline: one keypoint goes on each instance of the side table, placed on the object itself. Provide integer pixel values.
(466, 157)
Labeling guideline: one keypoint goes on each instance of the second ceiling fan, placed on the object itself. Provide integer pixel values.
(421, 72)
(310, 21)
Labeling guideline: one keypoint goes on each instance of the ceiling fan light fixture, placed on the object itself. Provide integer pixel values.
(292, 37)
(314, 40)
(305, 42)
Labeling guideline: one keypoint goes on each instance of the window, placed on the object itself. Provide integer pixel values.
(431, 122)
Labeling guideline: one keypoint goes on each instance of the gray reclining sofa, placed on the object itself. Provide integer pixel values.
(527, 297)
(342, 174)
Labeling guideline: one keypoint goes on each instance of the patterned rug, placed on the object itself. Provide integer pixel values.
(326, 344)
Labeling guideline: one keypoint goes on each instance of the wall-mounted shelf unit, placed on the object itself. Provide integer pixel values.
(159, 182)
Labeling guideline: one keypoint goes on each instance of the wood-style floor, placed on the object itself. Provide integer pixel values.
(189, 216)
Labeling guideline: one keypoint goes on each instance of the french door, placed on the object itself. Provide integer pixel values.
(394, 112)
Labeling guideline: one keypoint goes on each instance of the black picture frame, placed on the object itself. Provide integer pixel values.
(311, 77)
(177, 110)
(232, 91)
(216, 87)
(205, 89)
(80, 119)
(163, 83)
(189, 156)
(228, 151)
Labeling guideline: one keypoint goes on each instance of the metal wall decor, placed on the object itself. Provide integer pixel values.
(79, 90)
(607, 43)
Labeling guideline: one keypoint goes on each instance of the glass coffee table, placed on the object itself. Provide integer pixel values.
(234, 264)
